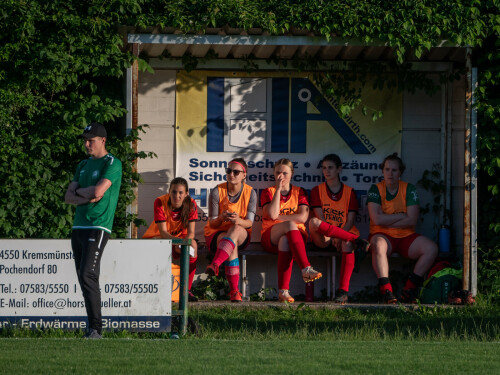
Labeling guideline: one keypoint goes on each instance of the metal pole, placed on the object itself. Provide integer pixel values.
(128, 95)
(183, 294)
(449, 135)
(444, 154)
(467, 172)
(135, 123)
(473, 256)
(244, 277)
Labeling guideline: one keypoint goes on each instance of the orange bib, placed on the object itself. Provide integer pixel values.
(287, 208)
(335, 212)
(174, 227)
(241, 207)
(395, 206)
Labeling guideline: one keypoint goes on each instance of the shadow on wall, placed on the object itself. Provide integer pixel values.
(149, 82)
(159, 177)
(155, 184)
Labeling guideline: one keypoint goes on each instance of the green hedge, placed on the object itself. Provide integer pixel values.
(62, 66)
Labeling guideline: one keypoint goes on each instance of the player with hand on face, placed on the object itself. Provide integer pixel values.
(285, 210)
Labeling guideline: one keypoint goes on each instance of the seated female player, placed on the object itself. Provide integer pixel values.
(231, 211)
(393, 206)
(175, 214)
(285, 209)
(335, 206)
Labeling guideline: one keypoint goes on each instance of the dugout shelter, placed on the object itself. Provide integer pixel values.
(232, 92)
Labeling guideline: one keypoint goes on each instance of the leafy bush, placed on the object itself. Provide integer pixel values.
(60, 68)
(488, 110)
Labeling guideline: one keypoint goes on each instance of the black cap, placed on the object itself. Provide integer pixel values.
(94, 130)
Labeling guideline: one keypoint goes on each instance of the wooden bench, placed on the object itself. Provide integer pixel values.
(255, 249)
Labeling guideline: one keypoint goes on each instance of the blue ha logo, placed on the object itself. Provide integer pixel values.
(270, 115)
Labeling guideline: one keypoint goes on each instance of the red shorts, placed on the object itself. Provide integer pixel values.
(211, 242)
(399, 245)
(268, 246)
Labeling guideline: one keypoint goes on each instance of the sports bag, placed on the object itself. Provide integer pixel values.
(438, 286)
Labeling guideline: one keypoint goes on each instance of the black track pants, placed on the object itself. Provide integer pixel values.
(88, 246)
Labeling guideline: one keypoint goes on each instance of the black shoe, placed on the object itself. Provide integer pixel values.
(390, 298)
(212, 270)
(192, 297)
(341, 297)
(92, 334)
(409, 295)
(361, 247)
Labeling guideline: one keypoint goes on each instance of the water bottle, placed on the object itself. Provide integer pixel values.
(246, 282)
(444, 240)
(310, 292)
(246, 286)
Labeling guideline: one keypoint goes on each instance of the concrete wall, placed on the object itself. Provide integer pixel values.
(421, 149)
(157, 110)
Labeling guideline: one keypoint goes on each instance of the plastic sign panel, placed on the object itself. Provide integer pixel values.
(39, 286)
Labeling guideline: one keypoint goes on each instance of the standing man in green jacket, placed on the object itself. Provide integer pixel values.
(94, 190)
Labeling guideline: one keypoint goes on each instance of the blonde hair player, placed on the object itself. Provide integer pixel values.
(231, 212)
(285, 210)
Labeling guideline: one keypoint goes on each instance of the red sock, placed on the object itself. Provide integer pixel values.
(346, 268)
(409, 285)
(233, 277)
(224, 250)
(385, 287)
(285, 260)
(332, 231)
(192, 271)
(414, 281)
(298, 248)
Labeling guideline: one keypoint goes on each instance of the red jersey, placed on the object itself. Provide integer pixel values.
(172, 218)
(316, 200)
(289, 205)
(336, 207)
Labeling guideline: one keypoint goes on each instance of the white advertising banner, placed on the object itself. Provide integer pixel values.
(268, 116)
(39, 286)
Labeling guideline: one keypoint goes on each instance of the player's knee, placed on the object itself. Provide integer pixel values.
(378, 246)
(283, 244)
(314, 224)
(347, 246)
(290, 225)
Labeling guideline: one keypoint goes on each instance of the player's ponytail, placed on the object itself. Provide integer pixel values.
(186, 210)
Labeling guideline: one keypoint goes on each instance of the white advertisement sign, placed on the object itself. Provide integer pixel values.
(39, 286)
(269, 116)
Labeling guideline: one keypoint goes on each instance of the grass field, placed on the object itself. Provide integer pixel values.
(287, 340)
(136, 356)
